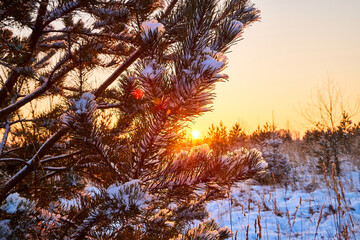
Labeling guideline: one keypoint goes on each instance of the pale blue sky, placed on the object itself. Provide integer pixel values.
(295, 48)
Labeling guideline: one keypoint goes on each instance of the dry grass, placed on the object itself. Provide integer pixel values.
(312, 215)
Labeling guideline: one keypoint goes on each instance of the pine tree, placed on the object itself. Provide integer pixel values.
(329, 144)
(237, 136)
(82, 160)
(218, 139)
(268, 140)
(278, 162)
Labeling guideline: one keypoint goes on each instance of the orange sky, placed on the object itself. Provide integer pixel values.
(297, 46)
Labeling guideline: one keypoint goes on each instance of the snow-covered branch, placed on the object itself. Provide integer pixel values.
(224, 170)
(118, 173)
(61, 11)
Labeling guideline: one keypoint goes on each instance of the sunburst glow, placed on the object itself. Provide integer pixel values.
(195, 134)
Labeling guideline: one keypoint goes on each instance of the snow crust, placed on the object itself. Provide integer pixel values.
(262, 164)
(212, 63)
(4, 228)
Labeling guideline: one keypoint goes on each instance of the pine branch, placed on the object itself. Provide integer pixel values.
(53, 78)
(33, 40)
(128, 38)
(60, 133)
(31, 164)
(10, 67)
(169, 9)
(129, 61)
(84, 227)
(61, 11)
(150, 105)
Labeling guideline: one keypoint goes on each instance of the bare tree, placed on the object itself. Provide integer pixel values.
(327, 112)
(326, 106)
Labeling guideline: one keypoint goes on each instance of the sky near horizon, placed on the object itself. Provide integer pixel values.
(295, 48)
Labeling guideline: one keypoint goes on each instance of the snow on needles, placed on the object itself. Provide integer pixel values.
(214, 61)
(83, 104)
(130, 193)
(237, 26)
(15, 203)
(151, 71)
(152, 26)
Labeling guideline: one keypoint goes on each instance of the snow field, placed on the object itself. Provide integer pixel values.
(282, 213)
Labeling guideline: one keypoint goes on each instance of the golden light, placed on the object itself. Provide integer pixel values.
(195, 134)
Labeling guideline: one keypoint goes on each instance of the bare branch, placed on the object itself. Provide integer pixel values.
(12, 150)
(118, 71)
(107, 106)
(17, 121)
(55, 168)
(72, 89)
(5, 136)
(7, 128)
(50, 159)
(13, 160)
(326, 106)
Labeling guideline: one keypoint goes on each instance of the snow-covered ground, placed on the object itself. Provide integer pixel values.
(291, 214)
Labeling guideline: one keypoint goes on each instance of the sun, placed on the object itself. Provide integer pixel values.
(195, 134)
